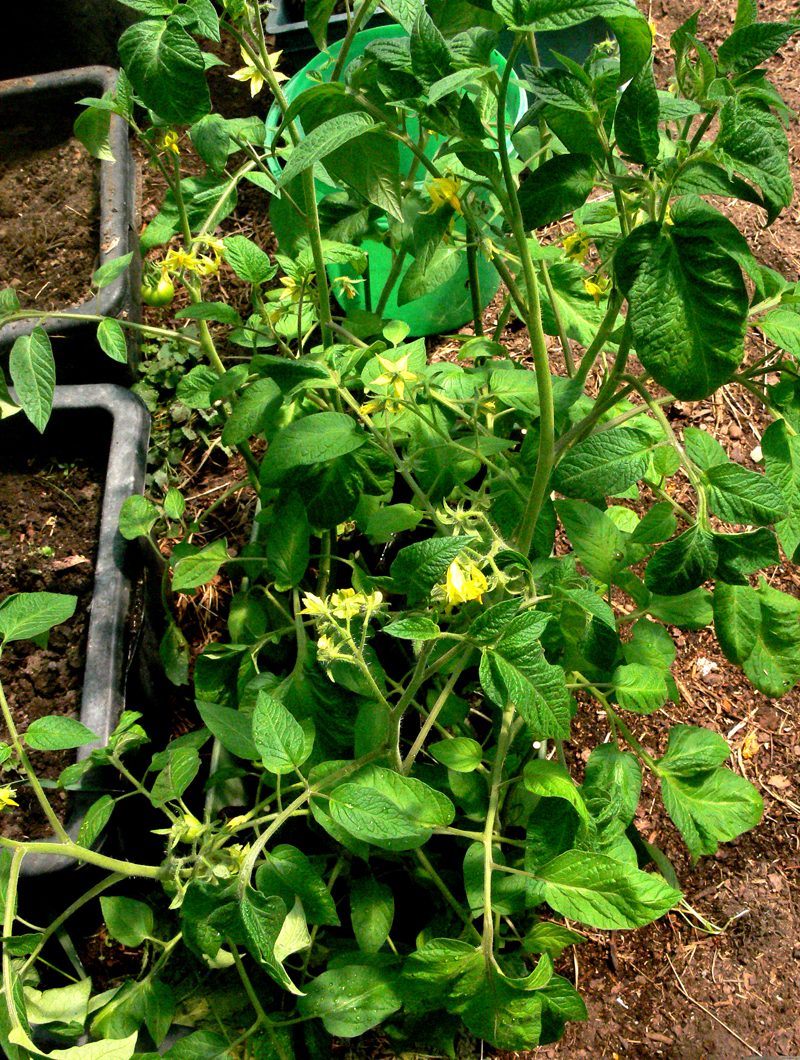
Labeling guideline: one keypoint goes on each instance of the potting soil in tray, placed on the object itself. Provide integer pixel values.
(49, 519)
(49, 208)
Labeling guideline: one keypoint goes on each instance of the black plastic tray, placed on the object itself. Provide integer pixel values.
(294, 38)
(97, 415)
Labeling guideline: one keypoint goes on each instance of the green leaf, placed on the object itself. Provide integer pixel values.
(748, 46)
(233, 729)
(560, 88)
(650, 645)
(755, 143)
(418, 567)
(691, 750)
(431, 59)
(516, 672)
(324, 139)
(413, 627)
(220, 312)
(56, 734)
(263, 919)
(137, 517)
(640, 688)
(670, 279)
(598, 543)
(424, 276)
(556, 188)
(196, 567)
(321, 437)
(165, 66)
(109, 272)
(254, 410)
(371, 913)
(547, 937)
(24, 616)
(111, 339)
(739, 555)
(288, 873)
(738, 495)
(389, 810)
(687, 610)
(97, 817)
(461, 753)
(682, 564)
(594, 889)
(774, 664)
(317, 15)
(92, 128)
(175, 655)
(782, 464)
(709, 807)
(636, 119)
(33, 372)
(606, 464)
(351, 999)
(182, 767)
(288, 542)
(552, 781)
(128, 920)
(248, 260)
(279, 737)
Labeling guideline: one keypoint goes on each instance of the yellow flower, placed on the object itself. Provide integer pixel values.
(576, 246)
(188, 828)
(7, 798)
(347, 285)
(595, 287)
(444, 190)
(253, 74)
(395, 374)
(179, 259)
(170, 143)
(235, 822)
(326, 649)
(313, 605)
(460, 586)
(348, 603)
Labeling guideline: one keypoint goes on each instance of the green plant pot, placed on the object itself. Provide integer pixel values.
(447, 308)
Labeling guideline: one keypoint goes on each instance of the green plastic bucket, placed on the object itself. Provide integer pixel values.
(448, 307)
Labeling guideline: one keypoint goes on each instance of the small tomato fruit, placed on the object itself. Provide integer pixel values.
(160, 293)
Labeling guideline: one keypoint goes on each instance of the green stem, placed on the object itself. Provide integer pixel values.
(444, 890)
(352, 29)
(605, 329)
(147, 329)
(563, 338)
(90, 857)
(523, 535)
(33, 780)
(474, 279)
(53, 927)
(391, 279)
(503, 744)
(430, 721)
(8, 928)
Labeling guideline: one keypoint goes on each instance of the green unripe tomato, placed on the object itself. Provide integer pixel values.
(160, 293)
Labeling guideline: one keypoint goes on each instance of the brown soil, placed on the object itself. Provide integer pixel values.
(49, 213)
(49, 515)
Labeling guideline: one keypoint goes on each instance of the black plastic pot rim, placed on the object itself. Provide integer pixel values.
(102, 697)
(116, 203)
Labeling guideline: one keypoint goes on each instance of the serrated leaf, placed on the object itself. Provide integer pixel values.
(418, 567)
(24, 616)
(33, 372)
(682, 564)
(640, 688)
(604, 465)
(196, 568)
(312, 440)
(248, 260)
(594, 889)
(413, 627)
(389, 810)
(165, 66)
(461, 754)
(556, 188)
(97, 817)
(371, 912)
(782, 464)
(597, 542)
(278, 736)
(56, 733)
(128, 920)
(738, 495)
(288, 873)
(137, 517)
(748, 46)
(351, 999)
(636, 118)
(111, 339)
(670, 279)
(109, 272)
(233, 729)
